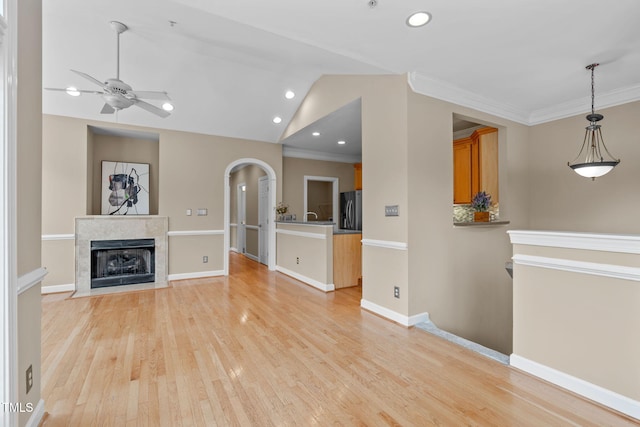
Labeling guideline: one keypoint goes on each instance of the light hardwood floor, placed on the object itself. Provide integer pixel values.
(258, 348)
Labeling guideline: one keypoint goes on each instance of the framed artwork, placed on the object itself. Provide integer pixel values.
(125, 188)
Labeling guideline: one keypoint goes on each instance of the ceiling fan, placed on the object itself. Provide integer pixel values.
(117, 94)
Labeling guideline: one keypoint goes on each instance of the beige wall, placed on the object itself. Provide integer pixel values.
(29, 179)
(191, 176)
(560, 199)
(295, 169)
(455, 274)
(580, 324)
(121, 149)
(309, 257)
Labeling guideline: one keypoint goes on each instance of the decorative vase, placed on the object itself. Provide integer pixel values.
(481, 216)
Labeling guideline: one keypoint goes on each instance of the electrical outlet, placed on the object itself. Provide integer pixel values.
(297, 260)
(391, 210)
(396, 292)
(29, 378)
(205, 259)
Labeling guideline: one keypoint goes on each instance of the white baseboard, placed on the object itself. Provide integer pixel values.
(591, 391)
(232, 249)
(392, 315)
(309, 281)
(196, 275)
(251, 257)
(54, 289)
(36, 415)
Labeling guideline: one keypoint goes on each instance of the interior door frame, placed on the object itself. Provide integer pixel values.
(271, 229)
(263, 221)
(241, 220)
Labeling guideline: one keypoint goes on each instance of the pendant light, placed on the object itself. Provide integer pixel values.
(591, 161)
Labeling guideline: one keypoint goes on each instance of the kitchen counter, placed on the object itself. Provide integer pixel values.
(343, 231)
(306, 222)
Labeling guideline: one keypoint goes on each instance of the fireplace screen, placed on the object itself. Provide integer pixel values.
(122, 262)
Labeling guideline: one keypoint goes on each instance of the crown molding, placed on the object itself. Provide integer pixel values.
(447, 92)
(319, 155)
(424, 85)
(581, 106)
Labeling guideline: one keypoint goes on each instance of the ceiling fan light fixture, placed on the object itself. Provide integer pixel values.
(72, 91)
(594, 159)
(167, 106)
(418, 19)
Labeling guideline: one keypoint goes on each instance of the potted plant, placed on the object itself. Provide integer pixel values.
(481, 203)
(281, 209)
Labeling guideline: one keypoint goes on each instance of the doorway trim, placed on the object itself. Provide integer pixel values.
(336, 193)
(271, 174)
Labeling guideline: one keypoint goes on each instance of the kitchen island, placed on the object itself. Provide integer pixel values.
(314, 251)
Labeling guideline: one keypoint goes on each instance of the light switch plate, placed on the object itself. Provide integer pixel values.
(188, 212)
(391, 210)
(202, 212)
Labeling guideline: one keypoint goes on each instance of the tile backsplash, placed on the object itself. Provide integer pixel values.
(464, 213)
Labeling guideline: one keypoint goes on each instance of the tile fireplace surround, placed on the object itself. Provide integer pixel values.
(109, 227)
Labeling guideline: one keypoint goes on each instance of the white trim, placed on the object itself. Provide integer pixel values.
(36, 415)
(591, 391)
(55, 289)
(58, 237)
(318, 155)
(301, 234)
(335, 193)
(309, 281)
(582, 267)
(195, 275)
(29, 280)
(392, 315)
(623, 243)
(8, 214)
(271, 209)
(195, 233)
(434, 88)
(251, 257)
(233, 224)
(251, 227)
(388, 244)
(577, 106)
(232, 249)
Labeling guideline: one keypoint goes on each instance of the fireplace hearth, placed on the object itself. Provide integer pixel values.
(122, 262)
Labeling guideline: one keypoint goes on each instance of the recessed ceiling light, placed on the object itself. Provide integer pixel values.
(73, 91)
(167, 106)
(418, 19)
(341, 142)
(277, 119)
(289, 94)
(316, 133)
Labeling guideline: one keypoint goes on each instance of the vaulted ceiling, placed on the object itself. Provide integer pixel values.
(226, 64)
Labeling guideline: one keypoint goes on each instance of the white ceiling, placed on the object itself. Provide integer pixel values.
(227, 63)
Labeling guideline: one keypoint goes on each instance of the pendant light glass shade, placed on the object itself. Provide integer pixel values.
(593, 160)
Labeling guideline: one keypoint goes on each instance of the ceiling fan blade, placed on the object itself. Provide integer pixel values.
(107, 109)
(88, 77)
(150, 94)
(79, 90)
(151, 108)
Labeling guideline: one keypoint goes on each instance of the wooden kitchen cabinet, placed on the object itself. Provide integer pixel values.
(357, 179)
(475, 165)
(347, 260)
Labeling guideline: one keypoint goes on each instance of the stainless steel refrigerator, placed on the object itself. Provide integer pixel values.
(351, 210)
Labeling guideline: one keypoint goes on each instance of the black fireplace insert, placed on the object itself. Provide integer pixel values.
(122, 262)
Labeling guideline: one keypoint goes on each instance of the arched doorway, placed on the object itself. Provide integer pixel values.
(271, 202)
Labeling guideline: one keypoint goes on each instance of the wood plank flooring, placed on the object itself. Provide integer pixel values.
(258, 348)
